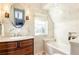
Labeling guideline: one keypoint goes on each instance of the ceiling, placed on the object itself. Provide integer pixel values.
(35, 5)
(40, 5)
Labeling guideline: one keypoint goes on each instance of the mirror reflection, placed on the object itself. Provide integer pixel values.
(18, 21)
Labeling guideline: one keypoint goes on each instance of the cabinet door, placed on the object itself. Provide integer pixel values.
(28, 50)
(3, 46)
(7, 46)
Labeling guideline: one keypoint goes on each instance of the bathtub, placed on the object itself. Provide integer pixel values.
(53, 49)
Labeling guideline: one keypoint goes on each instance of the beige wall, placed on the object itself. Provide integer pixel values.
(28, 28)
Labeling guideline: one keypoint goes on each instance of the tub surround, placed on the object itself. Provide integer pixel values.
(17, 45)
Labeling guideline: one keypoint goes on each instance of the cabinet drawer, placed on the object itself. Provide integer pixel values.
(12, 45)
(26, 43)
(8, 45)
(22, 51)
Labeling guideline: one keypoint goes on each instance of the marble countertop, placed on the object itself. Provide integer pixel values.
(7, 39)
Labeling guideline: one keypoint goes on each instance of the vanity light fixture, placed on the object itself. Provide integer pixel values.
(27, 17)
(6, 15)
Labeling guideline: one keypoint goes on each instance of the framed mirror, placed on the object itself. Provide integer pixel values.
(18, 18)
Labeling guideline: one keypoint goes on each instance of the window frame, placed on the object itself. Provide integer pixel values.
(44, 23)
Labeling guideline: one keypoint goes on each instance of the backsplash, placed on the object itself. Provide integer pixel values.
(12, 31)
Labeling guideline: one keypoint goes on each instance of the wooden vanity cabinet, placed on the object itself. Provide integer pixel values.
(21, 47)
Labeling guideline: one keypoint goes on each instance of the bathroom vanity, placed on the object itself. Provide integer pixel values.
(17, 46)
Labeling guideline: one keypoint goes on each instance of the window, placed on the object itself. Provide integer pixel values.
(41, 26)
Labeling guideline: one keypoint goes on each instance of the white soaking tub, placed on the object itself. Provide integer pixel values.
(53, 49)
